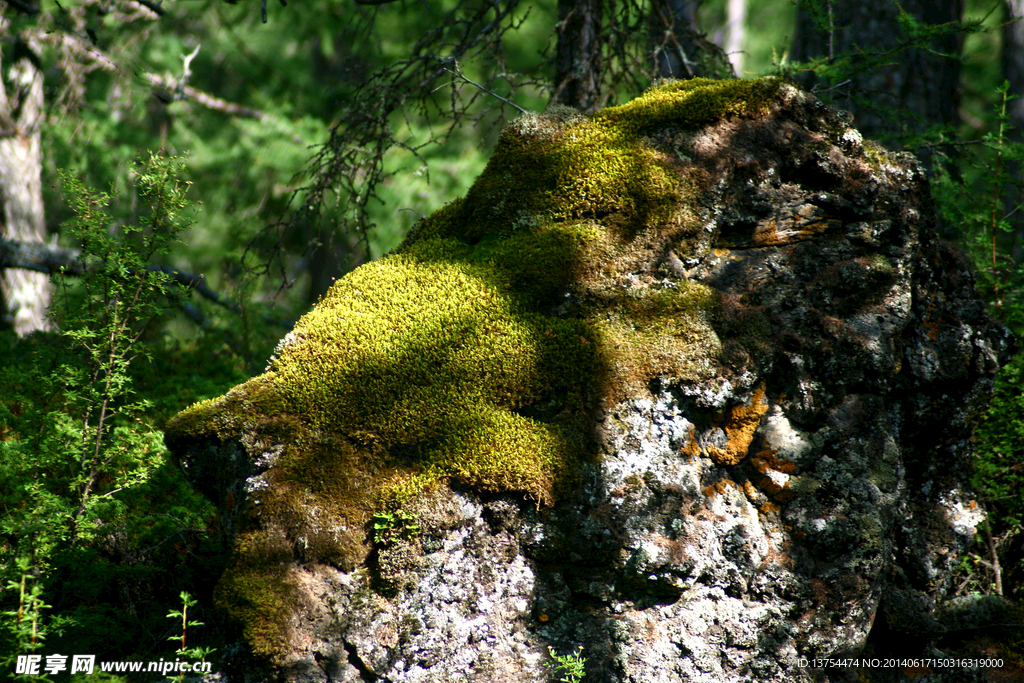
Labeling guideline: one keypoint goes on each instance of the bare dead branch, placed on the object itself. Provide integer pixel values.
(53, 260)
(154, 7)
(207, 100)
(458, 72)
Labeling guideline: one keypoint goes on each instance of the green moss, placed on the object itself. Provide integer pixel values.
(876, 155)
(695, 102)
(564, 168)
(478, 353)
(660, 333)
(881, 264)
(256, 591)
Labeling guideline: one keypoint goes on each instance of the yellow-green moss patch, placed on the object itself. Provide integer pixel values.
(565, 168)
(694, 102)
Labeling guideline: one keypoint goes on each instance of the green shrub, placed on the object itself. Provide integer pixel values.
(98, 529)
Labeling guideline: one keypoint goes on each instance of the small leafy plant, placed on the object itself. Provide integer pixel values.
(76, 448)
(981, 194)
(25, 625)
(104, 319)
(389, 526)
(200, 653)
(568, 667)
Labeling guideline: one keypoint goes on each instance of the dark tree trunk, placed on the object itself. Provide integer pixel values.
(680, 48)
(26, 295)
(578, 54)
(648, 39)
(1013, 71)
(332, 256)
(675, 51)
(907, 92)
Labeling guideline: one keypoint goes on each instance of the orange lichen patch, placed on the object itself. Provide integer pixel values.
(775, 472)
(769, 508)
(788, 230)
(766, 459)
(722, 252)
(719, 486)
(749, 489)
(780, 492)
(739, 425)
(692, 448)
(932, 318)
(783, 230)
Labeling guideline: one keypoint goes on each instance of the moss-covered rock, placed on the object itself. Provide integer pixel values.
(686, 352)
(480, 351)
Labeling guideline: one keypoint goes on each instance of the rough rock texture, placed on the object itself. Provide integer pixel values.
(689, 385)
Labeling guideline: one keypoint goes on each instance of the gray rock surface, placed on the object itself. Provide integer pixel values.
(802, 496)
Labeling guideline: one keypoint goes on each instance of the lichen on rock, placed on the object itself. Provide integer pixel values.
(668, 366)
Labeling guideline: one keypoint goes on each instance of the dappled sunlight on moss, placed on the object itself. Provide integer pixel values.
(593, 168)
(435, 358)
(694, 102)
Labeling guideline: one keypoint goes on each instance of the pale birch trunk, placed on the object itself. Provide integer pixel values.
(735, 33)
(26, 294)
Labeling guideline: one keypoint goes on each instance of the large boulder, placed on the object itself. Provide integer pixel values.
(688, 384)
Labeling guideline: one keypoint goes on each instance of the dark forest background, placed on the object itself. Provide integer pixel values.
(182, 179)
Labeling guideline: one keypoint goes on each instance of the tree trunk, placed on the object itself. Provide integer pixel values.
(26, 295)
(674, 53)
(911, 89)
(735, 33)
(332, 256)
(681, 50)
(1013, 71)
(578, 54)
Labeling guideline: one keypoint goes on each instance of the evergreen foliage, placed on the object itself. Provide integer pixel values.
(978, 194)
(95, 524)
(568, 668)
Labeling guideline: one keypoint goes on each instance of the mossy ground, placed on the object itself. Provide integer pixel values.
(478, 354)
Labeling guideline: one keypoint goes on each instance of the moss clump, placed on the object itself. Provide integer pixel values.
(425, 358)
(561, 168)
(660, 333)
(695, 102)
(476, 354)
